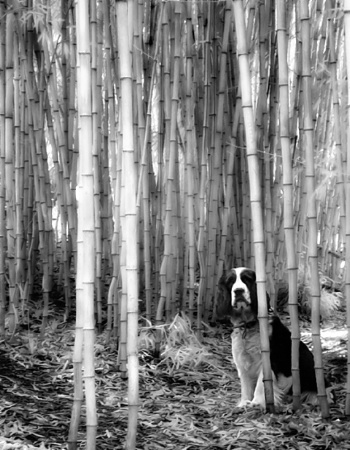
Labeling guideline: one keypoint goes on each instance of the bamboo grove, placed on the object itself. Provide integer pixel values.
(145, 146)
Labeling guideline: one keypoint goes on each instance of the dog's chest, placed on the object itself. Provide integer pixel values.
(246, 350)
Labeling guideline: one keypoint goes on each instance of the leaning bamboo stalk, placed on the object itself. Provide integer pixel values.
(255, 196)
(347, 222)
(85, 197)
(214, 161)
(264, 138)
(130, 218)
(311, 207)
(203, 155)
(292, 265)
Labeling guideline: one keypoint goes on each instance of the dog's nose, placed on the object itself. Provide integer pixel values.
(238, 291)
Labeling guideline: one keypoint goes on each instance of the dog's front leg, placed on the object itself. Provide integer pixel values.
(243, 363)
(247, 388)
(259, 393)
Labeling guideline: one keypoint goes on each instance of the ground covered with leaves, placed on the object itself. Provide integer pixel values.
(187, 399)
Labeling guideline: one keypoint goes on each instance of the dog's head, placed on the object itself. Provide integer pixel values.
(237, 296)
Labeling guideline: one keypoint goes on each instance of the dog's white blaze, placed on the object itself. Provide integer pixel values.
(238, 284)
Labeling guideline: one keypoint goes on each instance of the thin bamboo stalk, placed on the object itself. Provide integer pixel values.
(219, 131)
(9, 186)
(190, 163)
(168, 266)
(214, 161)
(202, 231)
(336, 116)
(264, 140)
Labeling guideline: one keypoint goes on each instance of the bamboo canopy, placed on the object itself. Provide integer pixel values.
(126, 130)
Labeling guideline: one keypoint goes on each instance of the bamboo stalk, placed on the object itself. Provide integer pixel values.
(255, 197)
(190, 163)
(347, 206)
(292, 265)
(202, 231)
(96, 79)
(130, 219)
(2, 167)
(311, 205)
(9, 187)
(86, 216)
(264, 141)
(220, 129)
(336, 117)
(167, 265)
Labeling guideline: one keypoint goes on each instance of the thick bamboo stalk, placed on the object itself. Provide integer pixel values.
(2, 168)
(96, 80)
(255, 196)
(347, 273)
(292, 265)
(130, 219)
(311, 205)
(86, 216)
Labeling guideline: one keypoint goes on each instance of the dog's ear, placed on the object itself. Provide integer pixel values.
(223, 298)
(253, 292)
(268, 302)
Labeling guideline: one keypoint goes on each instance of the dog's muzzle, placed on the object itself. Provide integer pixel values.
(240, 302)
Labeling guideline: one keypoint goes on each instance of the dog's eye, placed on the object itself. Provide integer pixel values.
(248, 275)
(231, 280)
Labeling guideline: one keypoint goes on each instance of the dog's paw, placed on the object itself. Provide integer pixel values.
(244, 403)
(259, 400)
(258, 404)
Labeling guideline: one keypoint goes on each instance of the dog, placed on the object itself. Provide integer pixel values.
(237, 299)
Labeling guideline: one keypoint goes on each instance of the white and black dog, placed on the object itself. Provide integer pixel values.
(237, 299)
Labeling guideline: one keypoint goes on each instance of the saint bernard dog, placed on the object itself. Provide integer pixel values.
(237, 299)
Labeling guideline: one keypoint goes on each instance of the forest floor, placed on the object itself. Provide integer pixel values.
(187, 400)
